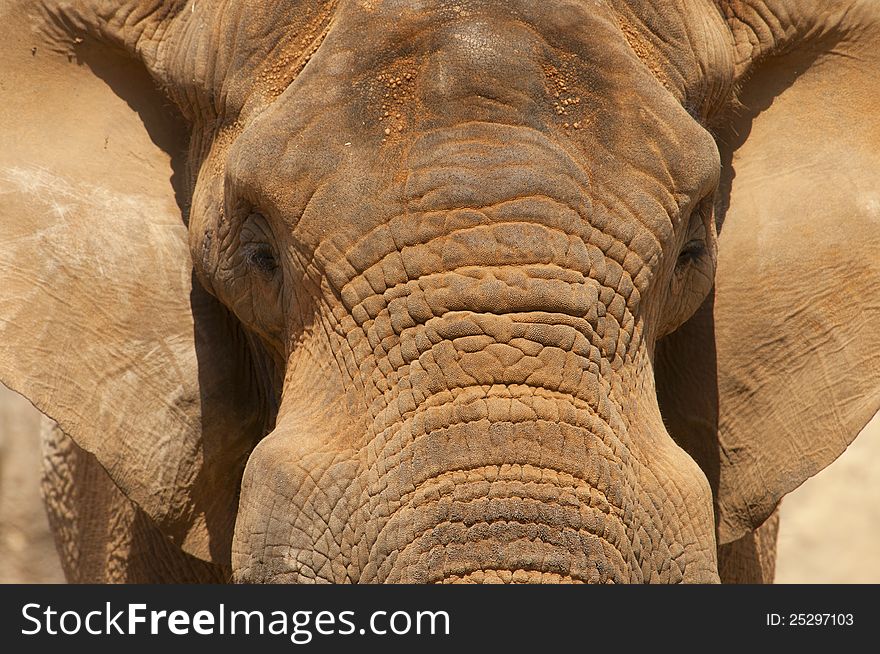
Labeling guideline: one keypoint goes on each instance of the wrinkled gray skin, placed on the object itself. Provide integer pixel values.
(418, 325)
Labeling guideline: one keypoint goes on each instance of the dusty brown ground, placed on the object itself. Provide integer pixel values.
(27, 552)
(828, 532)
(830, 526)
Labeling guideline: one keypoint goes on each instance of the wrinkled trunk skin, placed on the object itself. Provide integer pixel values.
(495, 420)
(504, 473)
(510, 470)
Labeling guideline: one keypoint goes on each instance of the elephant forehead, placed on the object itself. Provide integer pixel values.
(584, 64)
(434, 63)
(366, 112)
(515, 121)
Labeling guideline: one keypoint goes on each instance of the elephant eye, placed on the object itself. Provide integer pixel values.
(691, 251)
(261, 258)
(695, 242)
(256, 243)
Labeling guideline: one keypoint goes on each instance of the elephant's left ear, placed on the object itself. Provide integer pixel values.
(780, 369)
(101, 324)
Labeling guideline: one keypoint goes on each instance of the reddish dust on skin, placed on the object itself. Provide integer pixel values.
(562, 92)
(644, 50)
(396, 89)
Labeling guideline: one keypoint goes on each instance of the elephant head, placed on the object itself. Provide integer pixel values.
(477, 290)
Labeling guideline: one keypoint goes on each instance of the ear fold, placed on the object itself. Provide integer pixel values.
(780, 370)
(101, 324)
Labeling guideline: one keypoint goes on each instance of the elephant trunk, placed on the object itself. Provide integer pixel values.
(501, 439)
(513, 474)
(491, 473)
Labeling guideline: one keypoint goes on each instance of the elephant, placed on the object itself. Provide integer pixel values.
(437, 291)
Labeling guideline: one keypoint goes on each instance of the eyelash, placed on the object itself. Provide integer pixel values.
(695, 248)
(692, 250)
(261, 258)
(256, 244)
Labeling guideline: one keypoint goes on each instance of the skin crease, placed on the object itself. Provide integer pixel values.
(456, 265)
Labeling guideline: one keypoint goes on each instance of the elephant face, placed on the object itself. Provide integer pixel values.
(461, 273)
(445, 242)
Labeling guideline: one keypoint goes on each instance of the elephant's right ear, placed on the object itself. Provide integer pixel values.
(101, 324)
(779, 371)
